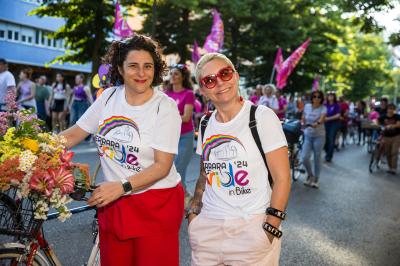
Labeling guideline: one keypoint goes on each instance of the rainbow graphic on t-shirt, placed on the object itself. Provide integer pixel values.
(216, 141)
(114, 122)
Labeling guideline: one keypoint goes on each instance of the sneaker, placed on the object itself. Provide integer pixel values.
(308, 182)
(391, 171)
(315, 184)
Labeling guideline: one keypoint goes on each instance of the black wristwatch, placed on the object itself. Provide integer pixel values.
(194, 210)
(127, 186)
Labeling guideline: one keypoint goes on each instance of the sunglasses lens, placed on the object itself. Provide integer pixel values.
(226, 74)
(209, 82)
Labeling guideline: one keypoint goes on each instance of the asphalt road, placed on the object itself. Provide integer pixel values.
(352, 219)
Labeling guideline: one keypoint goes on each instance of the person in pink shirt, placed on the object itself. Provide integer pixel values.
(180, 89)
(282, 103)
(257, 94)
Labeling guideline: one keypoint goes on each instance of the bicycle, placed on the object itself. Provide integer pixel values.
(293, 134)
(29, 246)
(376, 154)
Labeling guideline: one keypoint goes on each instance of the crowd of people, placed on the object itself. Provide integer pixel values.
(57, 103)
(328, 120)
(144, 196)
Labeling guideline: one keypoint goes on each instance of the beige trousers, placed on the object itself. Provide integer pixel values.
(391, 145)
(232, 242)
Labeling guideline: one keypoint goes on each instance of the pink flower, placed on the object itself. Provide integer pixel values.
(64, 179)
(10, 99)
(42, 182)
(66, 157)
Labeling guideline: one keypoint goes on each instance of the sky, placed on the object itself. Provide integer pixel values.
(387, 19)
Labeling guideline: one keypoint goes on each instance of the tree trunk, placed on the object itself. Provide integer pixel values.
(98, 39)
(154, 20)
(234, 28)
(184, 53)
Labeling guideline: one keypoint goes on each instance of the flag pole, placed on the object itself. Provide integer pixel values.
(272, 75)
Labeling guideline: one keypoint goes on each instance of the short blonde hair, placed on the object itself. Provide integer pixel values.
(270, 87)
(207, 58)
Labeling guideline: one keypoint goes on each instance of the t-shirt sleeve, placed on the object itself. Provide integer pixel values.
(10, 80)
(270, 130)
(324, 110)
(189, 99)
(168, 124)
(89, 121)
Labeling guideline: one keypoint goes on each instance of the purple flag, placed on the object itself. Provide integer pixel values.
(215, 39)
(195, 54)
(289, 65)
(278, 60)
(121, 27)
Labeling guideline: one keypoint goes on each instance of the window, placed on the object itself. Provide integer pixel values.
(48, 42)
(2, 34)
(37, 38)
(10, 34)
(23, 38)
(30, 39)
(16, 36)
(42, 41)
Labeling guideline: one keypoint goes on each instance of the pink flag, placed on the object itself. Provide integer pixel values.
(289, 65)
(315, 85)
(195, 54)
(215, 39)
(278, 60)
(121, 27)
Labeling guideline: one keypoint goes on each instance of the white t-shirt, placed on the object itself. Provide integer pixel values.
(127, 135)
(237, 179)
(6, 80)
(271, 102)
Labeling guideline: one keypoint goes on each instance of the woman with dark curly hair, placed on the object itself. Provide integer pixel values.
(181, 90)
(140, 204)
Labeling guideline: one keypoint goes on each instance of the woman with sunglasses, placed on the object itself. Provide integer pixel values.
(181, 90)
(332, 125)
(227, 218)
(140, 204)
(314, 137)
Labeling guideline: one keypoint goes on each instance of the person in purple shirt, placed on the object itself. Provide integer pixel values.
(180, 89)
(81, 99)
(332, 124)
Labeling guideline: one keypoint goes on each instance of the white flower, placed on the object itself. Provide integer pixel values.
(26, 160)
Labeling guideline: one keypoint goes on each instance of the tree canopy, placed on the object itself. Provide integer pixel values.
(347, 49)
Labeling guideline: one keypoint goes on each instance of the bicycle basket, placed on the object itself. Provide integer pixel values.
(17, 216)
(292, 130)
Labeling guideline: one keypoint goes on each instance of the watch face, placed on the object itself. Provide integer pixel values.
(127, 187)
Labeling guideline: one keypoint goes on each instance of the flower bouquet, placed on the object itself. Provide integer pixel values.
(36, 163)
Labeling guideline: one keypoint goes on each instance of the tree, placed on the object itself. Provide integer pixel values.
(360, 65)
(88, 23)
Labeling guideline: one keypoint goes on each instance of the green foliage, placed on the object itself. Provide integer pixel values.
(87, 26)
(360, 65)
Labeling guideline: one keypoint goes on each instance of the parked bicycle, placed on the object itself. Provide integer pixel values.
(29, 245)
(294, 133)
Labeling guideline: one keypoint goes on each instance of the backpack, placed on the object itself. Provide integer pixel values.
(254, 133)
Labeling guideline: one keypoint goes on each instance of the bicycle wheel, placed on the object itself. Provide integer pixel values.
(17, 256)
(374, 161)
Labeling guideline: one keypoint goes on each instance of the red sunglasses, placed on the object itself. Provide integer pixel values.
(224, 74)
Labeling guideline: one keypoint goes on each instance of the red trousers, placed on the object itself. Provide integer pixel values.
(142, 229)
